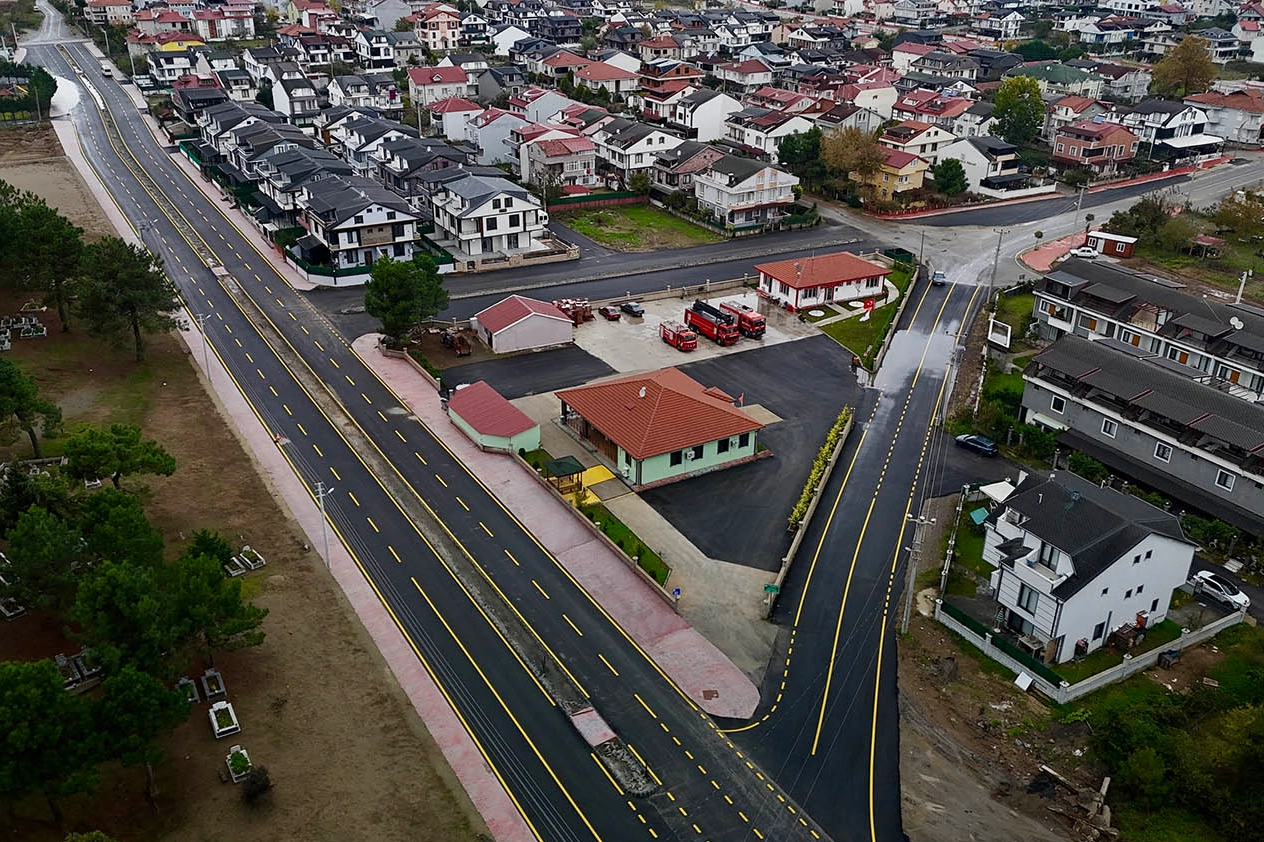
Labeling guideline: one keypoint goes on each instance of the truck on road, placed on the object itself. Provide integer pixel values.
(678, 336)
(749, 322)
(712, 323)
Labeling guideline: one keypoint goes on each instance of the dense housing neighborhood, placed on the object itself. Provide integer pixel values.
(639, 385)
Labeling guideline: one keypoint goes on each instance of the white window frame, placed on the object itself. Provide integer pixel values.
(1025, 591)
(1057, 404)
(1162, 446)
(1110, 427)
(1228, 478)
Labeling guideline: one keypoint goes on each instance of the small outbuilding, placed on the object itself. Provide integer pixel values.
(522, 324)
(490, 421)
(1112, 245)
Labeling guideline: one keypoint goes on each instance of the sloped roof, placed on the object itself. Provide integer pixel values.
(658, 412)
(453, 104)
(824, 270)
(437, 75)
(484, 409)
(515, 308)
(599, 71)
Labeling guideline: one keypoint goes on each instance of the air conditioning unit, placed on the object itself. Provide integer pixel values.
(689, 455)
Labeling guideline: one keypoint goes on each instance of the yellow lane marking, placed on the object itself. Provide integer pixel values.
(392, 549)
(333, 471)
(273, 390)
(606, 772)
(238, 341)
(292, 316)
(485, 529)
(363, 395)
(374, 525)
(249, 358)
(353, 498)
(349, 380)
(648, 709)
(422, 458)
(543, 593)
(511, 558)
(441, 482)
(318, 345)
(609, 665)
(316, 448)
(305, 330)
(301, 429)
(571, 623)
(401, 437)
(462, 502)
(287, 409)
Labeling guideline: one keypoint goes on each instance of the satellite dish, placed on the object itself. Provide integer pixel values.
(1235, 323)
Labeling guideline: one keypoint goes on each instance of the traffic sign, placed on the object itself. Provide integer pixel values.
(772, 587)
(676, 592)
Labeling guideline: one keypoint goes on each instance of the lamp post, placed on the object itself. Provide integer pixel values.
(996, 260)
(915, 553)
(321, 493)
(206, 345)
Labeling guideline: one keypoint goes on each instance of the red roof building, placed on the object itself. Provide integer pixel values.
(518, 323)
(660, 426)
(811, 281)
(490, 421)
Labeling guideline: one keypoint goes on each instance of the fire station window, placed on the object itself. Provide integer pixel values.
(1105, 591)
(697, 451)
(1098, 631)
(722, 446)
(1128, 594)
(1140, 588)
(1154, 606)
(1149, 554)
(743, 440)
(677, 457)
(1057, 404)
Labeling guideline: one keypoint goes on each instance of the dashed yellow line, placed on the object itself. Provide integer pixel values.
(401, 437)
(274, 392)
(334, 471)
(301, 428)
(571, 623)
(374, 525)
(422, 458)
(392, 549)
(262, 376)
(363, 395)
(648, 709)
(463, 505)
(349, 380)
(316, 448)
(511, 558)
(441, 482)
(543, 592)
(609, 665)
(353, 498)
(287, 409)
(485, 529)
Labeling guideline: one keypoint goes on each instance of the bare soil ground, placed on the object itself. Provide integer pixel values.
(349, 756)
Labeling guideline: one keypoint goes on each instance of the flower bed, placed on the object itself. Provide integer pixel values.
(819, 465)
(627, 541)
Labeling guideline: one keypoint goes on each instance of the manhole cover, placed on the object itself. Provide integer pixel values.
(816, 314)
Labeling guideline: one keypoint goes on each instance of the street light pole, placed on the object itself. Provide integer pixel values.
(321, 493)
(915, 553)
(996, 260)
(921, 248)
(206, 345)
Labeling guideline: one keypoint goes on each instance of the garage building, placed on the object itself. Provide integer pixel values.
(490, 421)
(522, 324)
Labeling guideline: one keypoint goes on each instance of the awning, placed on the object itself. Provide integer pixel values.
(266, 204)
(233, 174)
(978, 516)
(564, 466)
(1192, 141)
(997, 491)
(1007, 178)
(307, 242)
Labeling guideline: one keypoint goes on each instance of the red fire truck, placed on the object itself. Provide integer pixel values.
(712, 323)
(678, 336)
(749, 322)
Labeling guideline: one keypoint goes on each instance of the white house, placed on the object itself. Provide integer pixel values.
(761, 130)
(431, 84)
(701, 113)
(453, 115)
(1075, 562)
(489, 133)
(742, 193)
(351, 222)
(625, 146)
(478, 217)
(506, 36)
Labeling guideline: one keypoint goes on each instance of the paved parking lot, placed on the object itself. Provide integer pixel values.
(634, 344)
(532, 374)
(806, 384)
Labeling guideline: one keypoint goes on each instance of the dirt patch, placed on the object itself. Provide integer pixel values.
(30, 159)
(350, 758)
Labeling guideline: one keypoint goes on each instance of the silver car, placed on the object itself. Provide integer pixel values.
(1221, 590)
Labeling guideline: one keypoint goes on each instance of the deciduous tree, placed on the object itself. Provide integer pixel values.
(1036, 50)
(1186, 69)
(852, 151)
(401, 294)
(44, 553)
(1019, 109)
(118, 452)
(950, 177)
(23, 406)
(125, 291)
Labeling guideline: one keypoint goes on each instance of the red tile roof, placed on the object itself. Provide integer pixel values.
(1075, 103)
(599, 71)
(566, 59)
(484, 409)
(825, 270)
(452, 105)
(1243, 100)
(437, 75)
(566, 146)
(898, 158)
(748, 67)
(658, 412)
(514, 309)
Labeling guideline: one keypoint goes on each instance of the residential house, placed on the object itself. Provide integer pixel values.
(917, 138)
(166, 68)
(1222, 46)
(904, 54)
(489, 134)
(625, 147)
(975, 121)
(1055, 78)
(505, 36)
(744, 76)
(1161, 425)
(374, 49)
(942, 64)
(599, 76)
(805, 282)
(562, 162)
(1075, 562)
(779, 99)
(1070, 109)
(879, 97)
(930, 107)
(355, 141)
(109, 12)
(284, 171)
(438, 28)
(495, 82)
(153, 21)
(658, 48)
(479, 217)
(994, 63)
(999, 26)
(406, 49)
(403, 166)
(1174, 129)
(295, 98)
(660, 426)
(476, 30)
(991, 166)
(849, 117)
(700, 113)
(1094, 145)
(559, 26)
(900, 172)
(538, 104)
(1123, 83)
(188, 101)
(452, 115)
(256, 60)
(351, 91)
(431, 84)
(1235, 115)
(741, 193)
(675, 168)
(916, 14)
(760, 131)
(557, 65)
(353, 221)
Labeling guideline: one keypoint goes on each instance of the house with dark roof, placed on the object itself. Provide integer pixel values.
(992, 167)
(481, 218)
(1076, 562)
(1161, 424)
(1175, 130)
(660, 426)
(742, 193)
(351, 222)
(626, 146)
(674, 169)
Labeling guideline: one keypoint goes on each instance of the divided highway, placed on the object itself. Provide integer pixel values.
(428, 536)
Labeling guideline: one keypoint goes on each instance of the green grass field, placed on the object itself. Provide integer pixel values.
(864, 339)
(637, 228)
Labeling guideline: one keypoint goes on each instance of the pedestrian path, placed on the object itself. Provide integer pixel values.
(700, 669)
(1042, 257)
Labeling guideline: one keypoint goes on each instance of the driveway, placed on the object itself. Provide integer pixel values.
(739, 514)
(532, 374)
(1255, 593)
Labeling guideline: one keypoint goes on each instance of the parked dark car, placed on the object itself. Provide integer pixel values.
(632, 308)
(979, 444)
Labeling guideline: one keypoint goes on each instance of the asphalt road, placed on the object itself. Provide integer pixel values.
(416, 564)
(531, 374)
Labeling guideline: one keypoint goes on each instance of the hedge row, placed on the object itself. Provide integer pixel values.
(818, 468)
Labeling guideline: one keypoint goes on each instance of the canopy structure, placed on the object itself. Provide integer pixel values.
(997, 491)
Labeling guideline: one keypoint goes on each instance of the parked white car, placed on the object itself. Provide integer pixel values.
(1220, 589)
(1085, 252)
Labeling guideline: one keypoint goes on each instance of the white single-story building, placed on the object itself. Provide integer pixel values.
(522, 324)
(490, 421)
(804, 282)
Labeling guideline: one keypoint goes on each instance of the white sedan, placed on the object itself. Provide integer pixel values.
(1220, 589)
(1085, 252)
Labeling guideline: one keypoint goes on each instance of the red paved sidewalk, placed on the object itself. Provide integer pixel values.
(1041, 258)
(700, 669)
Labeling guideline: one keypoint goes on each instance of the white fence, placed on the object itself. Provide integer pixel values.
(1065, 692)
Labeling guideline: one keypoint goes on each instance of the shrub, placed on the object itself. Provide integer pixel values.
(819, 466)
(257, 783)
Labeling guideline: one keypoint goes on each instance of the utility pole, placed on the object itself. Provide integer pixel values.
(106, 33)
(321, 493)
(915, 554)
(206, 347)
(996, 260)
(1075, 224)
(921, 248)
(1246, 276)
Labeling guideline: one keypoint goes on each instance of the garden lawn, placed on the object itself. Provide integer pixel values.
(1016, 311)
(1103, 659)
(626, 539)
(864, 339)
(637, 228)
